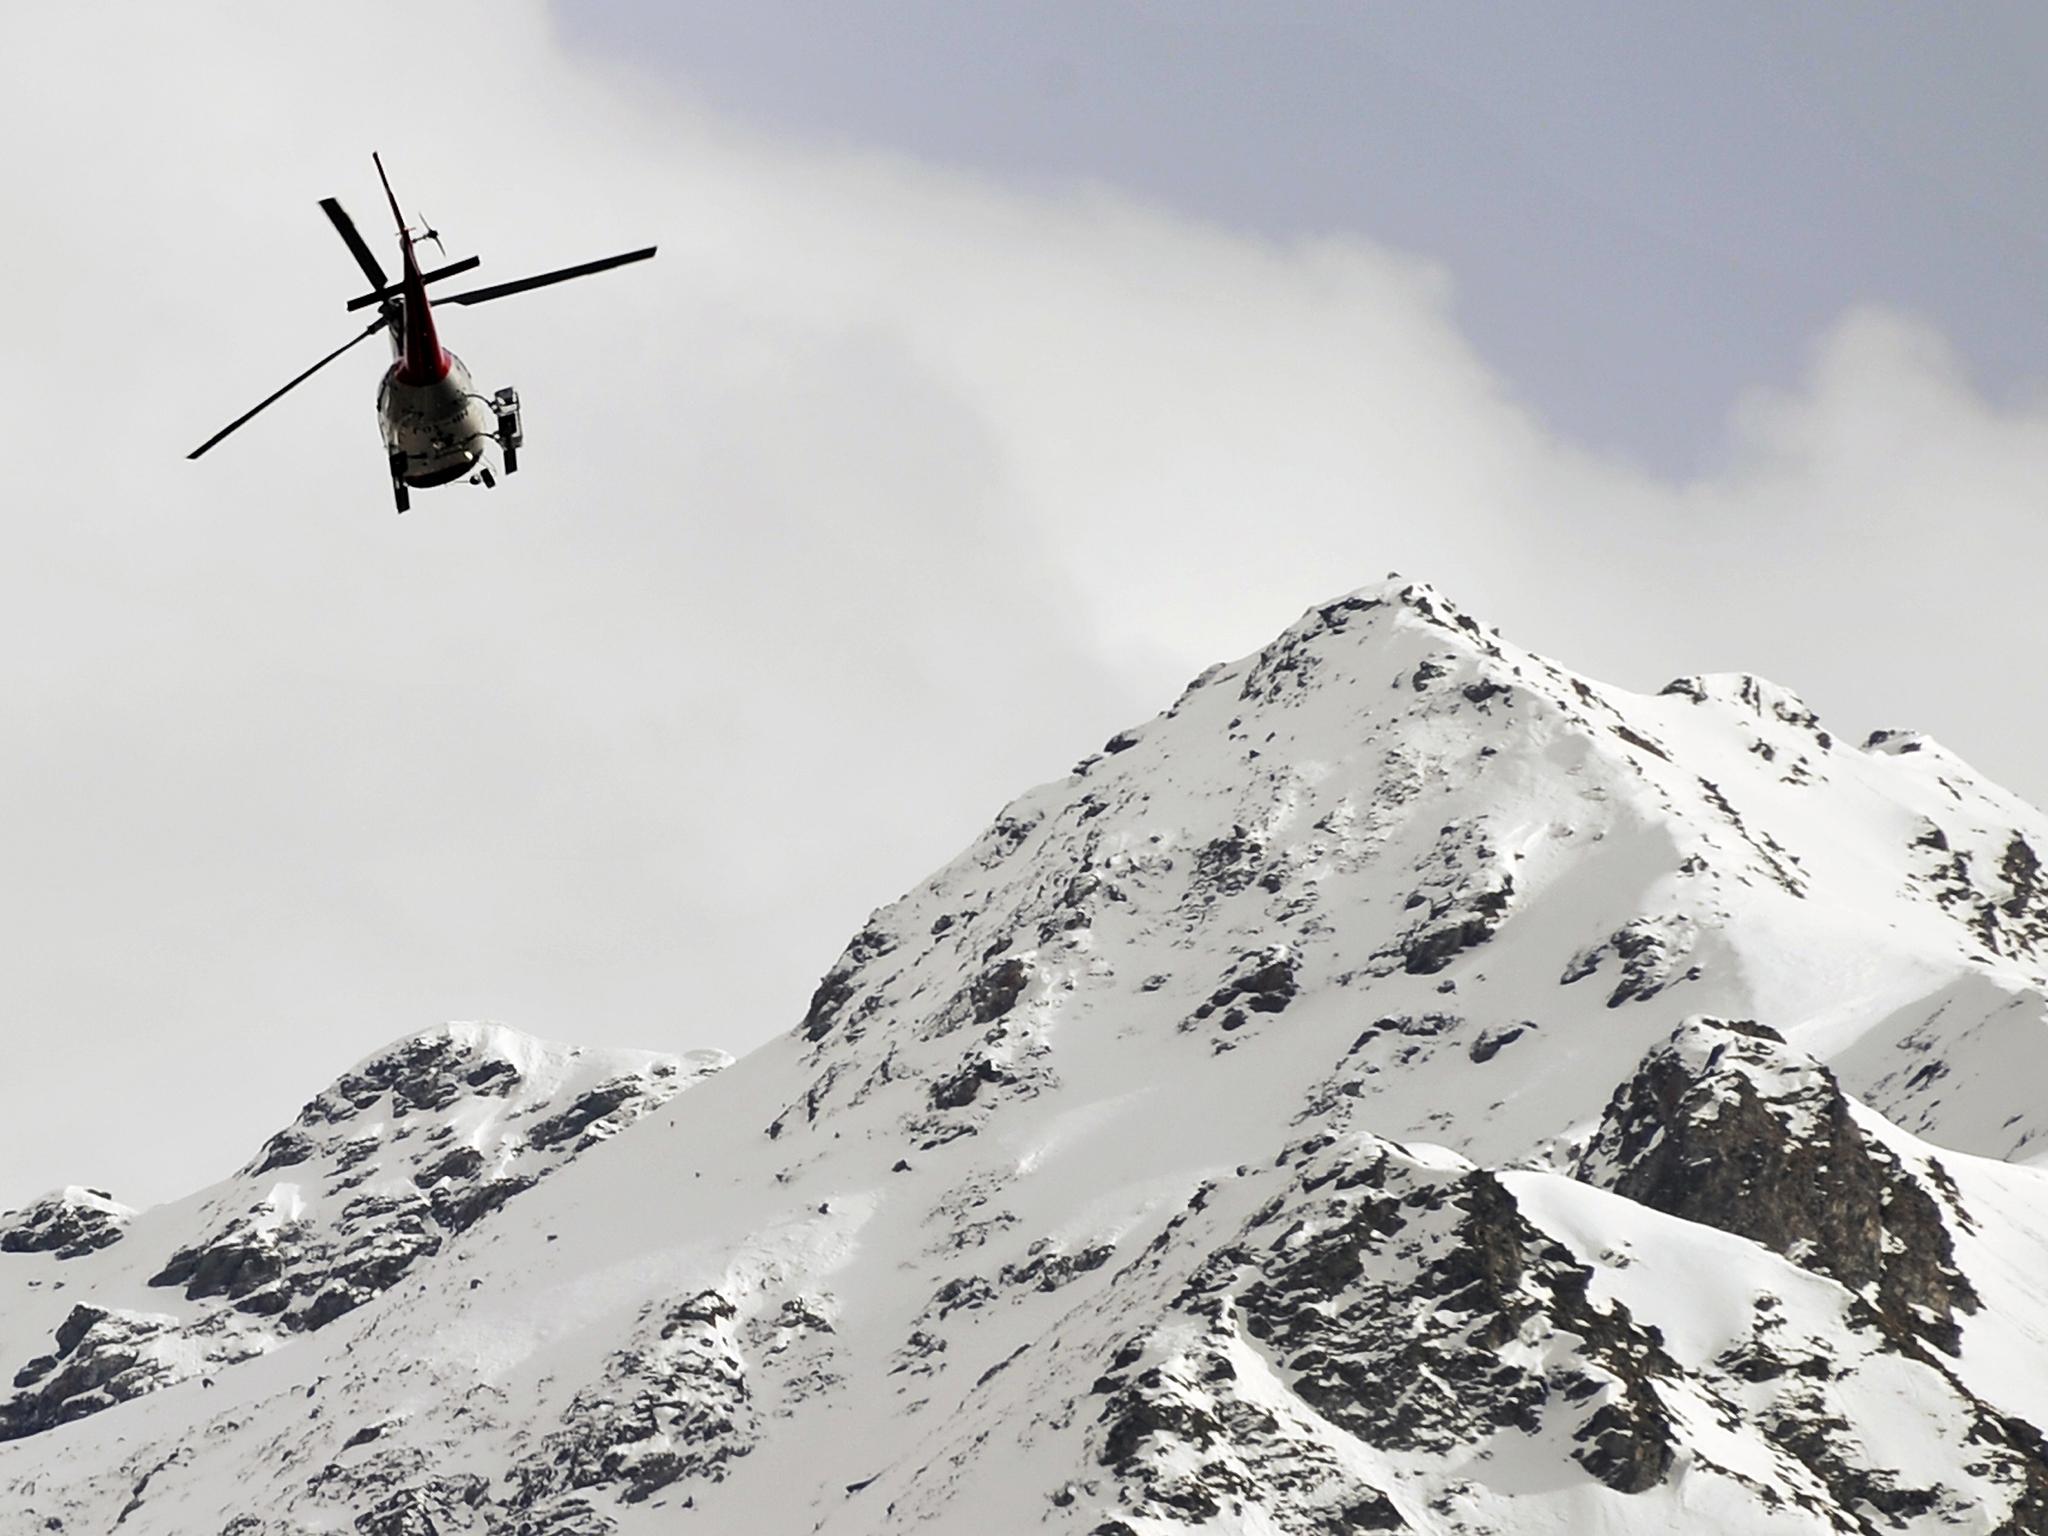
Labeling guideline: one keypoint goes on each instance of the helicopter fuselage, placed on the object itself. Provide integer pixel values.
(435, 428)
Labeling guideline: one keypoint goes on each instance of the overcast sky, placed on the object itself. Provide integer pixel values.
(1002, 367)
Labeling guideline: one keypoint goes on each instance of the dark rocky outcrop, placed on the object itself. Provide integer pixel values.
(1259, 981)
(1417, 1365)
(1386, 1294)
(995, 991)
(1726, 1125)
(287, 1149)
(1227, 865)
(1993, 888)
(839, 985)
(601, 1103)
(69, 1223)
(243, 1259)
(1653, 953)
(102, 1358)
(675, 1405)
(413, 1511)
(1464, 896)
(961, 1088)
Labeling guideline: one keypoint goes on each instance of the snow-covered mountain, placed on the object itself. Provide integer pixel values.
(399, 1156)
(1403, 1086)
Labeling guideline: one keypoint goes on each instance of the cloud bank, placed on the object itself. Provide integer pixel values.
(882, 493)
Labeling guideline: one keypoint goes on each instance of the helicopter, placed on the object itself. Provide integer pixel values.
(434, 422)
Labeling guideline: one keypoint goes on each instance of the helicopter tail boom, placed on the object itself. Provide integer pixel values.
(422, 360)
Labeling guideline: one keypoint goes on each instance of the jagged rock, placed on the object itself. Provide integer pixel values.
(103, 1357)
(1415, 1363)
(1990, 883)
(1465, 896)
(599, 1105)
(459, 1206)
(1653, 954)
(559, 1517)
(1228, 865)
(996, 990)
(1260, 981)
(837, 989)
(421, 1511)
(1047, 1267)
(1489, 1043)
(288, 1148)
(961, 1088)
(69, 1223)
(1384, 1292)
(1725, 1124)
(461, 1165)
(675, 1405)
(243, 1259)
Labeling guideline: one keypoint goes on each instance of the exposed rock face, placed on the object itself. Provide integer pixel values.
(675, 1405)
(1390, 1294)
(272, 1260)
(100, 1358)
(427, 1509)
(1260, 981)
(1650, 954)
(69, 1223)
(1726, 1125)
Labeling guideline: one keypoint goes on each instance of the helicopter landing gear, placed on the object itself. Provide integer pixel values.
(510, 434)
(399, 491)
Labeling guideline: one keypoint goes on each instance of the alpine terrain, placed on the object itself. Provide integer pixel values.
(1405, 1086)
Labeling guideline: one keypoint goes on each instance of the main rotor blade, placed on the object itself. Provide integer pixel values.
(375, 326)
(345, 227)
(521, 285)
(468, 263)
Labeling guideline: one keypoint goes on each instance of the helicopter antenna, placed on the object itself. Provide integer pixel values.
(390, 196)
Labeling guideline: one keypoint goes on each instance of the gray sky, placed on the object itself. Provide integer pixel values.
(1647, 209)
(997, 374)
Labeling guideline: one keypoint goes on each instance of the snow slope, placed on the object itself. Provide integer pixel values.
(1332, 1107)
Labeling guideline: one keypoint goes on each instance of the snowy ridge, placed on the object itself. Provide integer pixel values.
(417, 1143)
(1332, 1107)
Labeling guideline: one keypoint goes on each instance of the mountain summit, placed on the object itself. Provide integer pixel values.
(1403, 1086)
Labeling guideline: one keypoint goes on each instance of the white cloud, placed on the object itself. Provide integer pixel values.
(882, 493)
